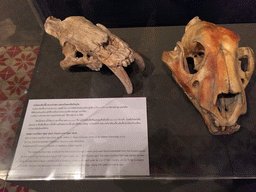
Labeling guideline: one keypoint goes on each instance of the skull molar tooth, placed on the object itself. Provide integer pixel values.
(124, 63)
(206, 64)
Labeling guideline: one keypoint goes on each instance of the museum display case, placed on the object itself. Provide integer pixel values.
(179, 144)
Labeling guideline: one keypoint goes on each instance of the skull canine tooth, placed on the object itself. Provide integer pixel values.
(217, 123)
(213, 129)
(237, 127)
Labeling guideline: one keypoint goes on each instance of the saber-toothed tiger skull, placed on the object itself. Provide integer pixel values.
(93, 45)
(213, 71)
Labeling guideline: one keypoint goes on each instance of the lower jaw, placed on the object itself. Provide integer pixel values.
(223, 130)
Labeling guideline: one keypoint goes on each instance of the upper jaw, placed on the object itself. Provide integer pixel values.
(222, 119)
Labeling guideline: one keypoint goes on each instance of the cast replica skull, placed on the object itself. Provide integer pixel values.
(91, 45)
(213, 71)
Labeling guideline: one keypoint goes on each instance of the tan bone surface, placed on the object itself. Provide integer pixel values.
(96, 44)
(209, 66)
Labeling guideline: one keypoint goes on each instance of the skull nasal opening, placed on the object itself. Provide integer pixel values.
(226, 103)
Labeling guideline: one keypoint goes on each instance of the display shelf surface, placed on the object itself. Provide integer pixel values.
(180, 145)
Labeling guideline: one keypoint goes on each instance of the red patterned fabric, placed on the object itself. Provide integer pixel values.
(16, 67)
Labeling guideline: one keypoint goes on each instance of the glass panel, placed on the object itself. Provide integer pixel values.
(180, 145)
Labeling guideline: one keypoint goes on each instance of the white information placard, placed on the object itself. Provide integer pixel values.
(78, 138)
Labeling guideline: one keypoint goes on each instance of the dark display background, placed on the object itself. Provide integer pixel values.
(142, 13)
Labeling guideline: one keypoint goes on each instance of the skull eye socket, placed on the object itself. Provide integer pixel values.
(191, 65)
(105, 44)
(244, 63)
(79, 54)
(195, 58)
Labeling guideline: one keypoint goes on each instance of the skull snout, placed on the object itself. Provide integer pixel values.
(229, 100)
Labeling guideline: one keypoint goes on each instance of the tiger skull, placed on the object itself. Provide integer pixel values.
(213, 72)
(95, 45)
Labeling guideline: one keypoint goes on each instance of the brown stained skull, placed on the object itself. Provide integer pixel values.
(213, 71)
(93, 45)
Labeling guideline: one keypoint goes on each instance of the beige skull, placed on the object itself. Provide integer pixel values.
(96, 45)
(213, 71)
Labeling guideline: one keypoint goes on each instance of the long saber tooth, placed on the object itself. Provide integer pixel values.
(139, 60)
(123, 77)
